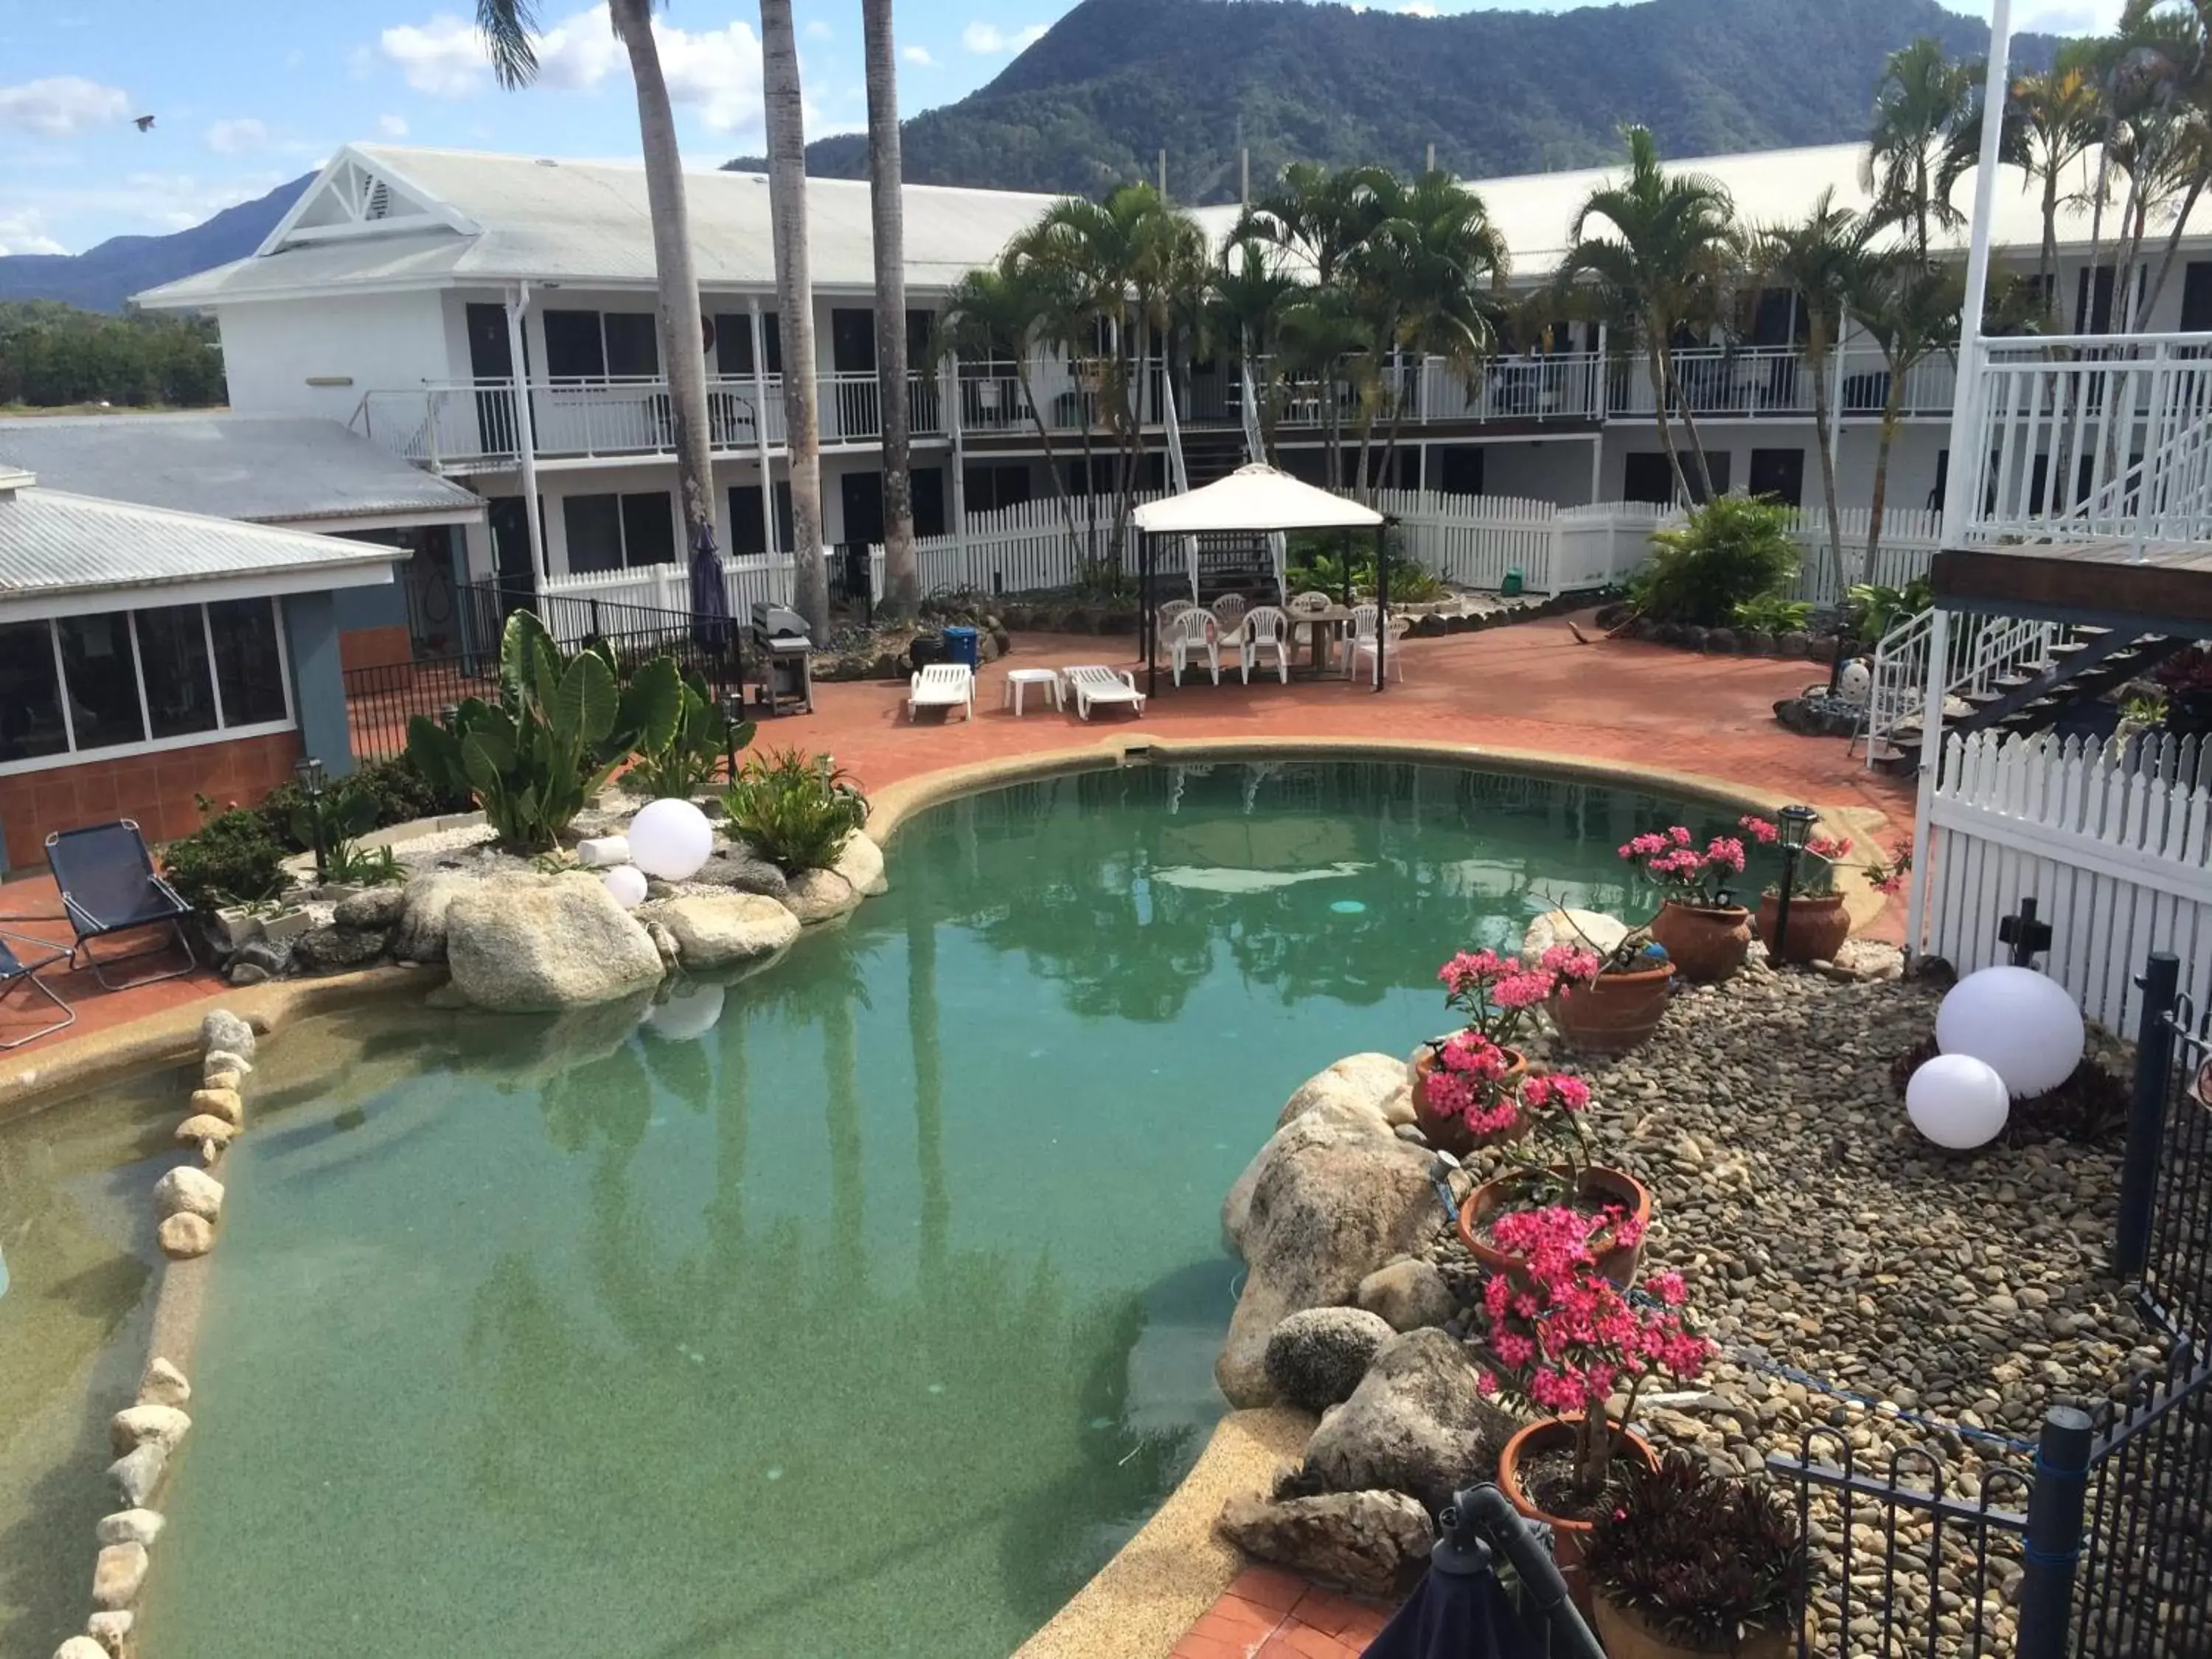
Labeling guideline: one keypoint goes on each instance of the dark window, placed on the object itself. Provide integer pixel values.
(928, 501)
(2197, 297)
(852, 341)
(249, 668)
(101, 673)
(2100, 308)
(491, 353)
(594, 524)
(1780, 473)
(573, 346)
(733, 343)
(633, 343)
(30, 697)
(1649, 478)
(179, 690)
(1771, 322)
(1716, 464)
(862, 494)
(1457, 469)
(747, 533)
(920, 326)
(991, 485)
(1103, 476)
(648, 524)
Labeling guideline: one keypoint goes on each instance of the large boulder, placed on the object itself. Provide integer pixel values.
(1585, 929)
(226, 1031)
(332, 949)
(712, 930)
(530, 944)
(421, 934)
(1382, 1081)
(1315, 1357)
(1408, 1295)
(372, 907)
(741, 872)
(862, 863)
(1375, 1543)
(1415, 1424)
(1331, 1197)
(820, 896)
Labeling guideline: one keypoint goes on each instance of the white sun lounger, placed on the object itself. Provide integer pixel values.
(947, 685)
(1095, 684)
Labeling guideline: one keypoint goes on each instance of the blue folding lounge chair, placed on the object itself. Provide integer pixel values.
(109, 885)
(14, 971)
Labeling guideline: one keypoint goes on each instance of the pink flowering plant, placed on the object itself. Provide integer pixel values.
(1824, 856)
(1671, 861)
(1497, 995)
(1562, 1338)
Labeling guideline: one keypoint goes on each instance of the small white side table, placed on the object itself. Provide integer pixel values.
(1018, 678)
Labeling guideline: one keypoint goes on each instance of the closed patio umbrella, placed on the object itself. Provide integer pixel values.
(710, 597)
(1462, 1612)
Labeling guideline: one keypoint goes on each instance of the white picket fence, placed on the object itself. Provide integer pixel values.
(1909, 543)
(2113, 841)
(667, 587)
(1022, 548)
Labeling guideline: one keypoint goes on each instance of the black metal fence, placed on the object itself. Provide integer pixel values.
(381, 700)
(2096, 1541)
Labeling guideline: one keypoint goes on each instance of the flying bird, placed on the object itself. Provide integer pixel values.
(143, 123)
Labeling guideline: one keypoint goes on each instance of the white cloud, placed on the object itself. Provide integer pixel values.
(23, 230)
(392, 126)
(918, 56)
(714, 71)
(1418, 8)
(237, 137)
(992, 41)
(818, 30)
(61, 104)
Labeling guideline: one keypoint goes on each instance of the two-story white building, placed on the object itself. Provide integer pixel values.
(411, 293)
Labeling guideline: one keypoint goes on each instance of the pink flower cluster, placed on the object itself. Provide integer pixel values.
(1463, 1084)
(1671, 859)
(1498, 992)
(1565, 1337)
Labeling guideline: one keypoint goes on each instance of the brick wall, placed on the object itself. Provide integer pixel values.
(157, 790)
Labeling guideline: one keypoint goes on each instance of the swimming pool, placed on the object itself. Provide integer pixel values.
(865, 1305)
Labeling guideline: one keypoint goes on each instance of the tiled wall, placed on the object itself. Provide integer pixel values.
(157, 790)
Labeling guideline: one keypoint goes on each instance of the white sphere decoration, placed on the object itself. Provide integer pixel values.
(1855, 683)
(690, 1012)
(626, 882)
(670, 838)
(2023, 1023)
(1957, 1102)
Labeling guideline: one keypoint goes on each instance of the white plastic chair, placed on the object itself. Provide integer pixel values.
(1171, 609)
(1308, 603)
(1228, 611)
(1265, 628)
(1098, 686)
(1194, 632)
(1361, 642)
(947, 685)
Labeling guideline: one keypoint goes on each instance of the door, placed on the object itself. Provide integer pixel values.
(1647, 478)
(510, 546)
(862, 494)
(492, 358)
(1780, 473)
(852, 411)
(928, 499)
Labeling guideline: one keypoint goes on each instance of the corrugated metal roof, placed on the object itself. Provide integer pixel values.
(258, 468)
(582, 221)
(53, 542)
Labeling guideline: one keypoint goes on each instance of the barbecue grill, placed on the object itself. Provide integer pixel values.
(781, 674)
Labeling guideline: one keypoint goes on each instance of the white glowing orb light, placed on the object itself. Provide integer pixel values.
(2021, 1024)
(1957, 1102)
(670, 838)
(626, 882)
(690, 1012)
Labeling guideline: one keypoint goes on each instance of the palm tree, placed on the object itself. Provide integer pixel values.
(508, 28)
(1926, 134)
(1249, 292)
(794, 299)
(1667, 264)
(2059, 116)
(1910, 308)
(901, 571)
(996, 314)
(2163, 85)
(1820, 258)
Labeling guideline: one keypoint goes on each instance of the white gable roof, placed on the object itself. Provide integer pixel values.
(1256, 497)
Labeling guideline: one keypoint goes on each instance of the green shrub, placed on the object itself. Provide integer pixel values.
(1872, 609)
(231, 859)
(683, 736)
(1315, 565)
(1769, 613)
(1732, 549)
(794, 812)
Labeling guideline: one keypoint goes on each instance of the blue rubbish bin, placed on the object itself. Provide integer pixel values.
(961, 645)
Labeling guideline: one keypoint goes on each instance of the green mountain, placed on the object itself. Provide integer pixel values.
(1114, 81)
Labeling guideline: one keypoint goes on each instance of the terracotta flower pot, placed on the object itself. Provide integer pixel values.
(1451, 1134)
(1626, 1634)
(1706, 941)
(1613, 1013)
(1598, 1185)
(1818, 927)
(1568, 1536)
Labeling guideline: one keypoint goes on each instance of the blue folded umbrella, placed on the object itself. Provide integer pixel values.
(710, 597)
(1461, 1610)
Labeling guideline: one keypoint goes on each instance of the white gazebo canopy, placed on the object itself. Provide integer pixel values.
(1256, 497)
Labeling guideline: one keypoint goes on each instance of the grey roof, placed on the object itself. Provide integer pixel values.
(524, 217)
(53, 542)
(262, 469)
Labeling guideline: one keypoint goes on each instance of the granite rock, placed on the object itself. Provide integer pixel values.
(225, 1030)
(374, 908)
(1415, 1424)
(119, 1574)
(818, 895)
(714, 930)
(184, 1235)
(1408, 1295)
(187, 1191)
(530, 944)
(1315, 1357)
(1373, 1543)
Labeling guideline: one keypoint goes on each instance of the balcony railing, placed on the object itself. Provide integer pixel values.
(474, 425)
(2094, 438)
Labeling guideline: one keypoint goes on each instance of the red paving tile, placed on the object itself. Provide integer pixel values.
(1528, 687)
(1267, 1587)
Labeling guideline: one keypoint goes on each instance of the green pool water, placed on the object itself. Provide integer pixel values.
(863, 1306)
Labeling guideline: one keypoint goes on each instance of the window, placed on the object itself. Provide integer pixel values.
(30, 694)
(2197, 297)
(1780, 473)
(747, 533)
(733, 343)
(1458, 469)
(990, 486)
(116, 679)
(573, 346)
(927, 485)
(614, 532)
(1648, 478)
(633, 343)
(852, 341)
(101, 672)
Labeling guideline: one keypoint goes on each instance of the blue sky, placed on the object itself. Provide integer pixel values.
(246, 94)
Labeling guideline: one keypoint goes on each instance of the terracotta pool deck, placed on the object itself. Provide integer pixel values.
(1270, 1615)
(1528, 687)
